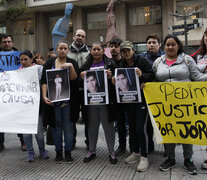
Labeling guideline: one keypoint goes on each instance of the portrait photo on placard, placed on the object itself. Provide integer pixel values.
(58, 83)
(127, 85)
(96, 88)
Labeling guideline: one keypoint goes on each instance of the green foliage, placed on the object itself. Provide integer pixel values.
(14, 9)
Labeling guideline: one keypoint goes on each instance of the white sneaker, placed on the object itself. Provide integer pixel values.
(132, 158)
(204, 165)
(143, 164)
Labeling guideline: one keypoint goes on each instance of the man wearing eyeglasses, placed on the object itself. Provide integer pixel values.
(78, 51)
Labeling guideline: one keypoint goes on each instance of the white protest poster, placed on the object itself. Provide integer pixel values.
(127, 85)
(58, 83)
(19, 101)
(96, 88)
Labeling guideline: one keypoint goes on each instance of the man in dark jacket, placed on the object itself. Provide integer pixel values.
(7, 45)
(153, 52)
(79, 51)
(153, 48)
(114, 46)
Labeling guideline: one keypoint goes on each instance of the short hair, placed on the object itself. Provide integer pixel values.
(116, 41)
(121, 71)
(180, 45)
(154, 36)
(4, 36)
(27, 53)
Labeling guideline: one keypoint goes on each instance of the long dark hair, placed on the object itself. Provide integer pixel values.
(203, 46)
(180, 45)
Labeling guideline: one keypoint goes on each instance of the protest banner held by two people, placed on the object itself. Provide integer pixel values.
(178, 111)
(96, 87)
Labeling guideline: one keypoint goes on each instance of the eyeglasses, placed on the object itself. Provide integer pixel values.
(79, 35)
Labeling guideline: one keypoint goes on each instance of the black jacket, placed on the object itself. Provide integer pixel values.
(144, 65)
(109, 65)
(74, 101)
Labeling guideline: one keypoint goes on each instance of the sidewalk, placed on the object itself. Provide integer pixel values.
(13, 164)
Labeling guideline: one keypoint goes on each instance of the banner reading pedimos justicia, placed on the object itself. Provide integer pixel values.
(178, 111)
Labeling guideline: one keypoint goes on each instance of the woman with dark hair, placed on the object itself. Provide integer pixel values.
(202, 64)
(99, 113)
(38, 59)
(61, 115)
(26, 59)
(202, 55)
(176, 66)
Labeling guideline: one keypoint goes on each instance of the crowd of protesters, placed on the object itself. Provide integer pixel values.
(169, 64)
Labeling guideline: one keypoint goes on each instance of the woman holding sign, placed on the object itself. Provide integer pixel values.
(26, 61)
(98, 113)
(176, 66)
(61, 115)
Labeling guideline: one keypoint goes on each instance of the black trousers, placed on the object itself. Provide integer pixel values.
(137, 117)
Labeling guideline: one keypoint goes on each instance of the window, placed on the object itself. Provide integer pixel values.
(24, 27)
(140, 47)
(96, 20)
(145, 15)
(2, 30)
(187, 7)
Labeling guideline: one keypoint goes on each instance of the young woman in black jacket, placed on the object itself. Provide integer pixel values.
(99, 113)
(61, 115)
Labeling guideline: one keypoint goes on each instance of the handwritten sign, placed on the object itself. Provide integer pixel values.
(179, 111)
(19, 101)
(9, 60)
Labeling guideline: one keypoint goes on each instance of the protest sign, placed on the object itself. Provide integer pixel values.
(19, 101)
(96, 88)
(179, 111)
(58, 83)
(9, 60)
(127, 85)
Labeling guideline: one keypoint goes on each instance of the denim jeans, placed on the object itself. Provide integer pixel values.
(39, 138)
(63, 124)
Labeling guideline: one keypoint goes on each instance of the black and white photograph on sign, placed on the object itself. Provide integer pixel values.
(96, 88)
(58, 84)
(127, 85)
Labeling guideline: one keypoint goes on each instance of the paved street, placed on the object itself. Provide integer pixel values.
(13, 164)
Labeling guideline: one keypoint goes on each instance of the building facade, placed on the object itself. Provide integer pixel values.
(135, 19)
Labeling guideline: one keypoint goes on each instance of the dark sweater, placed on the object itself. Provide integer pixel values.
(74, 101)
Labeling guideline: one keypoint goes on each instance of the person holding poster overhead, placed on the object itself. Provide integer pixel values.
(26, 61)
(99, 113)
(176, 66)
(8, 45)
(136, 112)
(61, 115)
